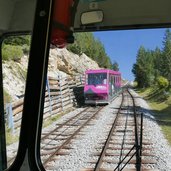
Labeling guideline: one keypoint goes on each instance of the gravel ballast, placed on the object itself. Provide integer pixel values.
(162, 149)
(85, 145)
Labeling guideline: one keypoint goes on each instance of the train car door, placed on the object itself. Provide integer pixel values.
(111, 86)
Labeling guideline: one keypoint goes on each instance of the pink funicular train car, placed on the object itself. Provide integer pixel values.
(101, 86)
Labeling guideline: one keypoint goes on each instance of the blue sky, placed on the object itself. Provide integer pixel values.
(122, 46)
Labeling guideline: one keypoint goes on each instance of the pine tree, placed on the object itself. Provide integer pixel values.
(143, 68)
(157, 59)
(166, 57)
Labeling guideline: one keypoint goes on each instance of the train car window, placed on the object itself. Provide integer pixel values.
(113, 79)
(17, 18)
(15, 55)
(97, 79)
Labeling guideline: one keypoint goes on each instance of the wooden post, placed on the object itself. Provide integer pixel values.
(10, 120)
(60, 79)
(69, 91)
(50, 101)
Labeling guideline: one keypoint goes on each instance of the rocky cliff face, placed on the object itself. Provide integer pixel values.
(61, 61)
(69, 63)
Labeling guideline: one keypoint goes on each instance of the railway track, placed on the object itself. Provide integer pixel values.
(56, 142)
(50, 135)
(125, 148)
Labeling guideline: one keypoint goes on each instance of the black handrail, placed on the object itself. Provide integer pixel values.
(125, 158)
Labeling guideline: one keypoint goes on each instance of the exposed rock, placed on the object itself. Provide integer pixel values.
(61, 61)
(14, 77)
(70, 63)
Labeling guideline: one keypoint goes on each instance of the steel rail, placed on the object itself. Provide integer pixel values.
(70, 138)
(9, 161)
(63, 125)
(66, 122)
(121, 161)
(123, 140)
(138, 140)
(100, 160)
(136, 147)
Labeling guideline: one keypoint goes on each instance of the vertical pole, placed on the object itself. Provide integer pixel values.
(3, 157)
(7, 113)
(28, 155)
(81, 80)
(10, 117)
(69, 90)
(50, 101)
(137, 142)
(36, 85)
(141, 137)
(60, 78)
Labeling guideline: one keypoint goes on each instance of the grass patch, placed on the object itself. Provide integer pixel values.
(50, 120)
(161, 108)
(7, 97)
(10, 138)
(144, 92)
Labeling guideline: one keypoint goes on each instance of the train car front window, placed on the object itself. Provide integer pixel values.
(15, 51)
(97, 79)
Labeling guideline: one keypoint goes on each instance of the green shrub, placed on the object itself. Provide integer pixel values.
(26, 49)
(11, 138)
(10, 52)
(74, 48)
(18, 40)
(162, 82)
(7, 97)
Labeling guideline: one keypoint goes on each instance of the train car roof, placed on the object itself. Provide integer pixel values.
(90, 15)
(102, 71)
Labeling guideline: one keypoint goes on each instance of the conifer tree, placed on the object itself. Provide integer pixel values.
(166, 57)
